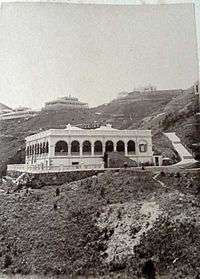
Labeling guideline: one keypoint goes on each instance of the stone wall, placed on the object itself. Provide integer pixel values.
(39, 180)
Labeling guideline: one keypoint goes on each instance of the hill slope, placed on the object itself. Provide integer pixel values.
(157, 112)
(111, 224)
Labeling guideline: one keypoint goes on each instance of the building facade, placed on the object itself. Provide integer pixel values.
(85, 148)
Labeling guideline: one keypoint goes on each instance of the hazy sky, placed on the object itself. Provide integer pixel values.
(93, 51)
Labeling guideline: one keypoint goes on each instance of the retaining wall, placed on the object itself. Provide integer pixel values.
(39, 180)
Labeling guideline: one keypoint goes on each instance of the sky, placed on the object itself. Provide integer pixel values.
(93, 52)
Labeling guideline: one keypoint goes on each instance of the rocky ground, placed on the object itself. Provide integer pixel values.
(127, 224)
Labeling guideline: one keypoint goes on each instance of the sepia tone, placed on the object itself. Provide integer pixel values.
(99, 140)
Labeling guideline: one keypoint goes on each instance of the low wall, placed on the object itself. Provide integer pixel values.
(39, 180)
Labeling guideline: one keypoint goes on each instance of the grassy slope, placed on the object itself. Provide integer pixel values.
(96, 218)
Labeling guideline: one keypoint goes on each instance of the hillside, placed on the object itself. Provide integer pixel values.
(157, 112)
(160, 113)
(179, 116)
(120, 225)
(129, 113)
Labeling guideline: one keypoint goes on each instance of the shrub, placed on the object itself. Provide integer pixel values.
(162, 173)
(57, 191)
(55, 206)
(7, 261)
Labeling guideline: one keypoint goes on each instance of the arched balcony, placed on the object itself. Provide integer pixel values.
(131, 147)
(75, 148)
(61, 148)
(120, 146)
(98, 148)
(109, 146)
(87, 148)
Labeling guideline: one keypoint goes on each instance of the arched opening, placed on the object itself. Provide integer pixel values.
(30, 150)
(120, 146)
(27, 151)
(87, 147)
(75, 147)
(143, 147)
(44, 147)
(36, 148)
(61, 148)
(109, 146)
(40, 148)
(47, 147)
(131, 147)
(98, 147)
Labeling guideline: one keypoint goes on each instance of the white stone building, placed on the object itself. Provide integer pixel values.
(83, 148)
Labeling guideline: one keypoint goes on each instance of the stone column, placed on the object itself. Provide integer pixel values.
(114, 146)
(69, 148)
(126, 148)
(81, 149)
(103, 147)
(51, 148)
(92, 148)
(137, 151)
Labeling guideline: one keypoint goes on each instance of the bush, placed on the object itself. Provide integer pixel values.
(7, 261)
(57, 191)
(55, 206)
(162, 173)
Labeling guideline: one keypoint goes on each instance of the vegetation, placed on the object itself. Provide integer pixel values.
(116, 225)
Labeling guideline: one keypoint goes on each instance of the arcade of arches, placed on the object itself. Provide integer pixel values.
(87, 147)
(62, 148)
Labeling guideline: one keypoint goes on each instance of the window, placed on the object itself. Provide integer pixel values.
(143, 147)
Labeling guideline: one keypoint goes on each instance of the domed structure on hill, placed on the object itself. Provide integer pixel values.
(68, 102)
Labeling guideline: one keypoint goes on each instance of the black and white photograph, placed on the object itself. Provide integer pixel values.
(99, 139)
